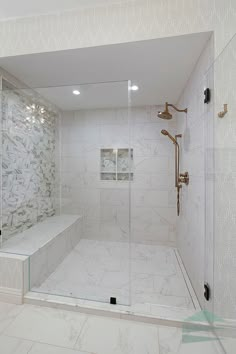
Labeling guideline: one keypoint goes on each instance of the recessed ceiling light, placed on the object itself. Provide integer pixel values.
(134, 88)
(76, 92)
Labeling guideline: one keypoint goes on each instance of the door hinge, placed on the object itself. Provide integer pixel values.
(207, 95)
(207, 292)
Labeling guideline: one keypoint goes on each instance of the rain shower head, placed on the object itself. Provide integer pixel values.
(166, 114)
(165, 132)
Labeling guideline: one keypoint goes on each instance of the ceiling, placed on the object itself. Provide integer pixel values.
(24, 8)
(161, 69)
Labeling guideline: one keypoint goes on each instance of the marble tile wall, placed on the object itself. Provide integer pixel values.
(43, 262)
(105, 204)
(153, 209)
(29, 258)
(28, 160)
(14, 281)
(118, 23)
(196, 128)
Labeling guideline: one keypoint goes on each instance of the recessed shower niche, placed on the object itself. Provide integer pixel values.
(116, 164)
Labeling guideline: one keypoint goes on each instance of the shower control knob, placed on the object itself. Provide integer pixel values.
(184, 178)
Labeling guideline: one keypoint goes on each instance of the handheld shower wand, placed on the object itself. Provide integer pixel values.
(180, 178)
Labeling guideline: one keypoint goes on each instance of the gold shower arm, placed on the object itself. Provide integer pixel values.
(166, 114)
(177, 109)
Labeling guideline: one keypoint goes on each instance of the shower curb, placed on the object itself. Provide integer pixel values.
(177, 318)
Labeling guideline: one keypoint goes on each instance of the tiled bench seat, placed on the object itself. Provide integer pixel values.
(40, 249)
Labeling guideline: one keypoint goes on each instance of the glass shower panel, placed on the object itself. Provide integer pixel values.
(208, 306)
(88, 257)
(1, 132)
(224, 289)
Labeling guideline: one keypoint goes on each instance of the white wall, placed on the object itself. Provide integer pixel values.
(105, 204)
(153, 202)
(118, 23)
(195, 130)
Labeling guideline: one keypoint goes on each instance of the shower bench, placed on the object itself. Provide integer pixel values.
(28, 258)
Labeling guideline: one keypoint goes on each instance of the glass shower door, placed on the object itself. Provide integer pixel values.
(224, 194)
(94, 176)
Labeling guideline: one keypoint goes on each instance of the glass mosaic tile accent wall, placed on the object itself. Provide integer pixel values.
(28, 160)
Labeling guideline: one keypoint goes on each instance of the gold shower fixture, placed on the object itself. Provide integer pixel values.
(180, 178)
(166, 114)
(224, 112)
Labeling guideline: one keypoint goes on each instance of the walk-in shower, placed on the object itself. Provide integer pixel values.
(109, 232)
(87, 192)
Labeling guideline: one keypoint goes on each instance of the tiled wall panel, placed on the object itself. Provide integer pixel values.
(116, 23)
(105, 204)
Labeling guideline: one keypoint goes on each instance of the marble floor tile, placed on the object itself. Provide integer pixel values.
(163, 300)
(10, 345)
(163, 254)
(104, 269)
(110, 336)
(170, 286)
(8, 313)
(45, 325)
(155, 267)
(39, 348)
(39, 330)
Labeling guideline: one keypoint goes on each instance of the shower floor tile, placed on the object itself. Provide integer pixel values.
(98, 270)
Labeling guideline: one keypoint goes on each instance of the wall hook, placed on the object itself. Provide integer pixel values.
(224, 112)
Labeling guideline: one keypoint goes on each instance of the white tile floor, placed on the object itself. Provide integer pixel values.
(29, 329)
(97, 270)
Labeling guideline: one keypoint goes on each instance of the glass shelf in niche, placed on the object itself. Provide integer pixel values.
(107, 176)
(125, 176)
